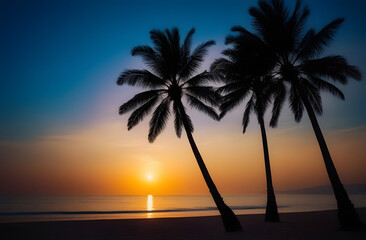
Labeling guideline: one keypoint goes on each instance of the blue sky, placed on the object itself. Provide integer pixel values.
(60, 132)
(60, 59)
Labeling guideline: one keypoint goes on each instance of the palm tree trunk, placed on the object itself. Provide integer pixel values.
(348, 217)
(271, 209)
(231, 223)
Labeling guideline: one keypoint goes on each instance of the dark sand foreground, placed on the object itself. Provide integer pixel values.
(311, 225)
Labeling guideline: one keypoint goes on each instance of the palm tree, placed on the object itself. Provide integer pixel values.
(244, 71)
(304, 74)
(171, 77)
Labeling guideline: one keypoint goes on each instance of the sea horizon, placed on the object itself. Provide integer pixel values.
(30, 208)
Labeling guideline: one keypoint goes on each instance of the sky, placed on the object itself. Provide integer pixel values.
(60, 132)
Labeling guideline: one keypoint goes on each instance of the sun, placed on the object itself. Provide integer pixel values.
(149, 177)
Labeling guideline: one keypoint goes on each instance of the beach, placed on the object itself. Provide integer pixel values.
(302, 225)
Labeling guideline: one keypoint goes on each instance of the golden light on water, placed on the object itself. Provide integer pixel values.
(149, 205)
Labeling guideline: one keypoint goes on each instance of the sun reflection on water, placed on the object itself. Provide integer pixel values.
(149, 205)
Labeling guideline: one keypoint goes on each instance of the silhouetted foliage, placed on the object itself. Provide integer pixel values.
(303, 74)
(245, 72)
(172, 77)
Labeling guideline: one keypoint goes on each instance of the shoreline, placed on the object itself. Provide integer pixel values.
(300, 225)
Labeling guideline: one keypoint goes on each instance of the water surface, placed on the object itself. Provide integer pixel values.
(46, 208)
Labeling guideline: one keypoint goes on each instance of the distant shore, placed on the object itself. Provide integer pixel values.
(303, 225)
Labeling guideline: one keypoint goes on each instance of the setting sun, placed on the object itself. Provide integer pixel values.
(204, 119)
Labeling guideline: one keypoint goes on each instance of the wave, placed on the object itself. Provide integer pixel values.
(125, 212)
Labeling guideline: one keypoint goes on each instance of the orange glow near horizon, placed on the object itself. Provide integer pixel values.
(125, 163)
(62, 134)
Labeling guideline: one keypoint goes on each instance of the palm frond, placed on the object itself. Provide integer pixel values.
(223, 67)
(334, 67)
(174, 37)
(259, 20)
(189, 124)
(263, 89)
(243, 39)
(161, 43)
(139, 99)
(178, 123)
(185, 52)
(159, 119)
(231, 100)
(296, 22)
(296, 104)
(201, 50)
(309, 35)
(279, 90)
(149, 56)
(242, 31)
(232, 86)
(197, 104)
(202, 78)
(195, 59)
(261, 104)
(205, 93)
(142, 78)
(269, 21)
(187, 44)
(174, 58)
(249, 54)
(313, 96)
(266, 89)
(326, 86)
(246, 115)
(139, 114)
(232, 54)
(321, 39)
(172, 66)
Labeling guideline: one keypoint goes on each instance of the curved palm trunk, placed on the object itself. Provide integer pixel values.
(231, 222)
(271, 209)
(348, 217)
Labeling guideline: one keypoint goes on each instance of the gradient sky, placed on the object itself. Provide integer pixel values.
(60, 132)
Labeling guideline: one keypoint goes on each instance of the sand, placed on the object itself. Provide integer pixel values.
(308, 225)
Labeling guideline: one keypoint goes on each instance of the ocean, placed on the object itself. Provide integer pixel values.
(53, 208)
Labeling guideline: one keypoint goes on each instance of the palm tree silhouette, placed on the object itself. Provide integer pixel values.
(173, 65)
(245, 73)
(299, 65)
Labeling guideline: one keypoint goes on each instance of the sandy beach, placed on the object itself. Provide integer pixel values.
(306, 225)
